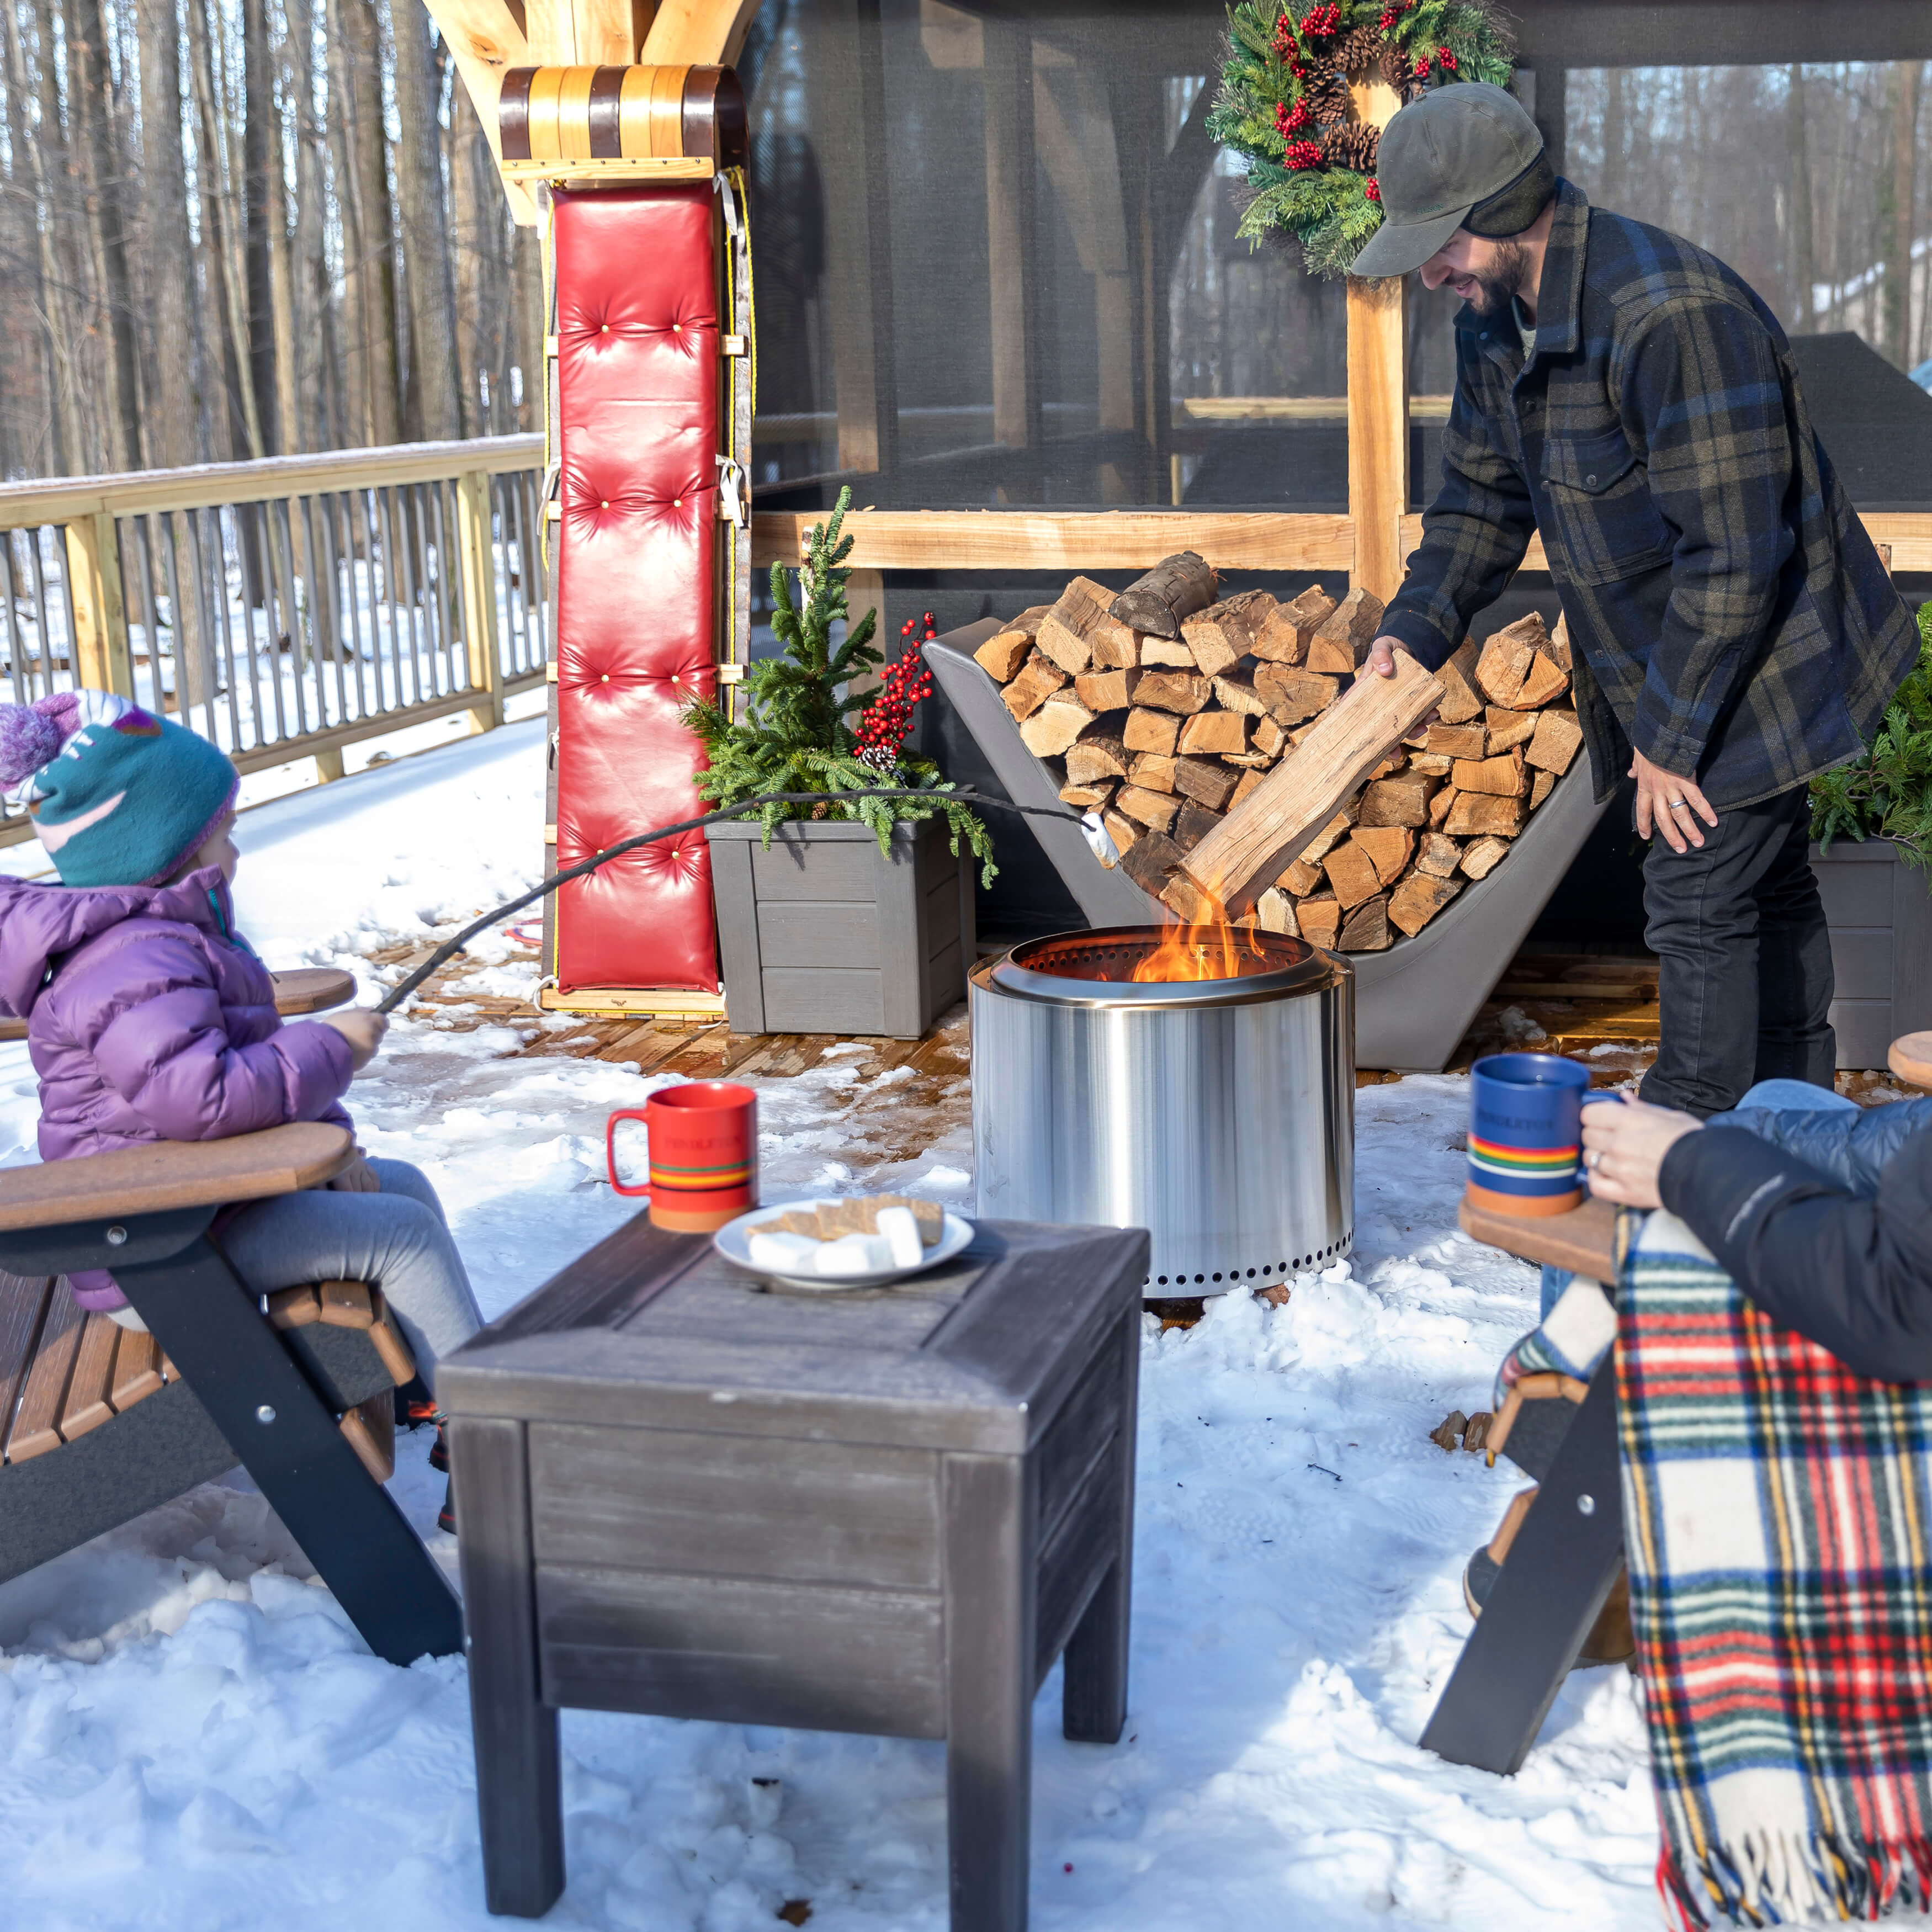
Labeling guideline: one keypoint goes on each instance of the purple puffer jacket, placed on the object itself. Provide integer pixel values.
(148, 1019)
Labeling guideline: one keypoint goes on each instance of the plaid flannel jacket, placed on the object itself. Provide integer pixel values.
(1731, 617)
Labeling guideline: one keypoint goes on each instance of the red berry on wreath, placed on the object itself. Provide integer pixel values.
(1374, 190)
(1447, 59)
(1304, 155)
(1422, 68)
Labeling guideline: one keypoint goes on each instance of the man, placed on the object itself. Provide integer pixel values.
(1735, 633)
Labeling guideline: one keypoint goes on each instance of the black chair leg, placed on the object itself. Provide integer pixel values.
(283, 1434)
(1561, 1568)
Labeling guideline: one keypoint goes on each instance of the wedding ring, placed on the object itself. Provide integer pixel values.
(1590, 1159)
(1678, 804)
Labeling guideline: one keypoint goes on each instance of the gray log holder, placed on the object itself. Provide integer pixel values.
(884, 1512)
(824, 934)
(1880, 911)
(1414, 1002)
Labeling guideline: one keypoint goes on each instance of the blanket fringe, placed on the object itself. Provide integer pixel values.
(1782, 1880)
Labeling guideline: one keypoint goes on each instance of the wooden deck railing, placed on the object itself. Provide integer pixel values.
(283, 608)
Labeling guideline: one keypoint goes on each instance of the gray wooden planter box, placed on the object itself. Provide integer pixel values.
(1880, 910)
(824, 934)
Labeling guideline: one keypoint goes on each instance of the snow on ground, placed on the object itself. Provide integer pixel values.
(192, 1738)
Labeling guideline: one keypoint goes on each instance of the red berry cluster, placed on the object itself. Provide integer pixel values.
(1388, 19)
(1319, 22)
(1445, 60)
(886, 723)
(1290, 121)
(1304, 155)
(1374, 190)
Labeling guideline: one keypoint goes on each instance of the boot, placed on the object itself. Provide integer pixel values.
(445, 1517)
(1611, 1639)
(438, 1449)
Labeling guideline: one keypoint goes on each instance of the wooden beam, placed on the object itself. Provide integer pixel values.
(485, 38)
(587, 33)
(698, 33)
(1377, 396)
(1063, 540)
(1908, 532)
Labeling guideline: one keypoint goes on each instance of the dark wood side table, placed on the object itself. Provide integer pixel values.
(886, 1512)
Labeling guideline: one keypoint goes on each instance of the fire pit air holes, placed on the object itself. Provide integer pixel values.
(1295, 1267)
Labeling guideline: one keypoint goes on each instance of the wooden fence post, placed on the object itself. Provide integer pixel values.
(102, 661)
(1377, 398)
(476, 548)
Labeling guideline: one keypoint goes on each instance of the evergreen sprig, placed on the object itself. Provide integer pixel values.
(1887, 793)
(794, 736)
(1330, 209)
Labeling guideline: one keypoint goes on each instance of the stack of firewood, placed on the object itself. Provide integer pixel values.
(1164, 736)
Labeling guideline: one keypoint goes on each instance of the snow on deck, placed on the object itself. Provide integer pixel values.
(192, 1738)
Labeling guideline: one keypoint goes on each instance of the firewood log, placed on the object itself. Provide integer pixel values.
(1209, 733)
(1285, 637)
(1274, 912)
(1236, 692)
(1037, 681)
(1342, 641)
(1152, 772)
(1166, 654)
(1560, 654)
(1153, 809)
(1250, 761)
(1055, 725)
(1398, 801)
(1475, 813)
(1193, 824)
(1247, 613)
(1439, 855)
(1554, 745)
(1087, 797)
(1460, 702)
(1390, 848)
(1078, 632)
(1153, 856)
(1321, 920)
(1302, 879)
(1268, 736)
(1202, 779)
(1541, 787)
(1294, 696)
(1003, 654)
(1441, 805)
(1120, 828)
(1430, 764)
(1147, 730)
(1458, 741)
(1418, 899)
(1366, 928)
(1542, 683)
(1301, 795)
(1508, 729)
(1482, 857)
(1217, 644)
(1096, 757)
(1107, 690)
(1176, 587)
(1502, 777)
(1249, 780)
(1505, 661)
(1183, 692)
(1352, 875)
(1332, 834)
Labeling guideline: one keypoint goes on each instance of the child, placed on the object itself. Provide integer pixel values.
(150, 1018)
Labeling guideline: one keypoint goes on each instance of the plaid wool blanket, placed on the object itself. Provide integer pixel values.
(1778, 1516)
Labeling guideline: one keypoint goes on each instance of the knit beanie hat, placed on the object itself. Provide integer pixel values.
(118, 797)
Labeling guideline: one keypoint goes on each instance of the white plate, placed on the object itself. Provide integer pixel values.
(732, 1241)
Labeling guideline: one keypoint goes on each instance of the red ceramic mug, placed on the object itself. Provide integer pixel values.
(703, 1140)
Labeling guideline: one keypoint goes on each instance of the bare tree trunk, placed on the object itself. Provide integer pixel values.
(217, 212)
(1899, 193)
(477, 203)
(527, 306)
(171, 410)
(52, 296)
(1797, 195)
(425, 228)
(312, 292)
(98, 112)
(371, 268)
(258, 200)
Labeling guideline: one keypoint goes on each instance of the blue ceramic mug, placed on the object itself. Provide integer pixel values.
(1525, 1143)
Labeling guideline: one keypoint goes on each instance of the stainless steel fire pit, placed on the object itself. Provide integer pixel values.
(1217, 1114)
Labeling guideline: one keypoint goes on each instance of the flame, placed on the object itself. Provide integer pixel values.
(1208, 948)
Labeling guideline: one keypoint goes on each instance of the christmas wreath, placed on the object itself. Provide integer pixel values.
(1283, 106)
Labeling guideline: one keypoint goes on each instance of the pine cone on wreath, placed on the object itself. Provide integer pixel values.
(1353, 146)
(1398, 70)
(1357, 50)
(1326, 96)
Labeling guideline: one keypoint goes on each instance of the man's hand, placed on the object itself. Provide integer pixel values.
(1624, 1147)
(363, 1027)
(1672, 804)
(1381, 659)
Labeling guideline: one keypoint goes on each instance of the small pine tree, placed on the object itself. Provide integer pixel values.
(1887, 793)
(795, 736)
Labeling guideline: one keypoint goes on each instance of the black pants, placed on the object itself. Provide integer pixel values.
(1744, 981)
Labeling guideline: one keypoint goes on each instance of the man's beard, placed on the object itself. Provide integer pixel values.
(1507, 274)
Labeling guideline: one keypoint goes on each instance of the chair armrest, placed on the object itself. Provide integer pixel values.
(308, 989)
(168, 1174)
(1584, 1240)
(1911, 1058)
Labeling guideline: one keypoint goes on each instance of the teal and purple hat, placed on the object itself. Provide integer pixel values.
(118, 797)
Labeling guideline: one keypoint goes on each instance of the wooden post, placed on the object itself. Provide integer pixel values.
(102, 661)
(478, 561)
(587, 33)
(1377, 398)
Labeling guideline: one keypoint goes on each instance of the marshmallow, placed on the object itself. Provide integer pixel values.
(854, 1254)
(784, 1254)
(900, 1231)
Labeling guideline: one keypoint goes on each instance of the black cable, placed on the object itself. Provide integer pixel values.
(451, 947)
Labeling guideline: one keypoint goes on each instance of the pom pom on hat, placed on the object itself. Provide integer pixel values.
(31, 735)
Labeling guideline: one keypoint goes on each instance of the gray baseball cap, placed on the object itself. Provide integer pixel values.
(1439, 158)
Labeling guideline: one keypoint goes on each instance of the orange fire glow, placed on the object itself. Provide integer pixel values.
(1208, 948)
